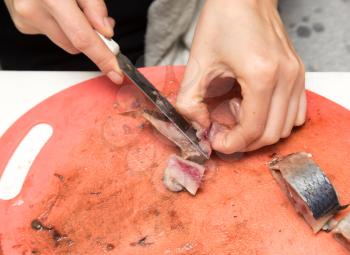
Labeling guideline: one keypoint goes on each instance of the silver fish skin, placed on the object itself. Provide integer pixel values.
(307, 187)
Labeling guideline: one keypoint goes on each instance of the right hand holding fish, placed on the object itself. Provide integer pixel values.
(245, 40)
(70, 24)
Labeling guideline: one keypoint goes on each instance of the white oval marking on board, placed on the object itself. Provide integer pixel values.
(19, 164)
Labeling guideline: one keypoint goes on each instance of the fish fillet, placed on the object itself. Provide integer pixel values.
(307, 187)
(183, 172)
(167, 129)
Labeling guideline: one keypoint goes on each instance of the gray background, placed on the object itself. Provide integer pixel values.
(320, 30)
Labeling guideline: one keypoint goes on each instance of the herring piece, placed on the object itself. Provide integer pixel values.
(166, 128)
(307, 187)
(181, 173)
(342, 231)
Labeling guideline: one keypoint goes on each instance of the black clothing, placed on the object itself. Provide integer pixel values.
(37, 52)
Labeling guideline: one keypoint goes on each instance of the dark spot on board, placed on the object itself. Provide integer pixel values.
(346, 1)
(37, 225)
(318, 27)
(273, 155)
(110, 247)
(303, 31)
(141, 242)
(59, 176)
(318, 10)
(57, 237)
(95, 193)
(305, 18)
(291, 25)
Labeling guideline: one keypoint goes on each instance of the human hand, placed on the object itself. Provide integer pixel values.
(70, 24)
(245, 40)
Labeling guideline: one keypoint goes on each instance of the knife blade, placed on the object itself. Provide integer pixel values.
(163, 105)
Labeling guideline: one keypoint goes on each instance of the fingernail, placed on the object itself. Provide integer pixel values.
(108, 26)
(115, 77)
(214, 130)
(235, 105)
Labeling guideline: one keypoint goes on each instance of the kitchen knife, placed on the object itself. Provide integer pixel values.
(154, 96)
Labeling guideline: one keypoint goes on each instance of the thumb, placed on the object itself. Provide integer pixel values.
(97, 14)
(193, 88)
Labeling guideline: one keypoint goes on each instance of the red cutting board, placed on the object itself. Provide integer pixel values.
(103, 191)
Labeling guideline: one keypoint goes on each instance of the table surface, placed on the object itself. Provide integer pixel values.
(20, 91)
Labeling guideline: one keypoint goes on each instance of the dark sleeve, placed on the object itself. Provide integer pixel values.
(37, 52)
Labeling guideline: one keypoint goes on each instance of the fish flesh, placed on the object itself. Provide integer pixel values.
(181, 173)
(342, 231)
(307, 187)
(167, 129)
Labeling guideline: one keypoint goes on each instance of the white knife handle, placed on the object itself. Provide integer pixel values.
(110, 43)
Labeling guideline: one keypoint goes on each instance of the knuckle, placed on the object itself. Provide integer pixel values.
(23, 8)
(292, 68)
(72, 51)
(50, 3)
(81, 40)
(271, 139)
(253, 133)
(263, 70)
(105, 63)
(183, 107)
(20, 25)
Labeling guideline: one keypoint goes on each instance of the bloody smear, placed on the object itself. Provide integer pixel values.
(190, 171)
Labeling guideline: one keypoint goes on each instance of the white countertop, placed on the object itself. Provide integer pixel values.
(20, 91)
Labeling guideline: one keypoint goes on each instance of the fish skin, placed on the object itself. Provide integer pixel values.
(309, 181)
(307, 187)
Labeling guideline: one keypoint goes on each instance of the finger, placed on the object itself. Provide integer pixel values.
(252, 119)
(189, 101)
(294, 105)
(97, 15)
(78, 30)
(275, 122)
(279, 107)
(19, 12)
(301, 117)
(53, 31)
